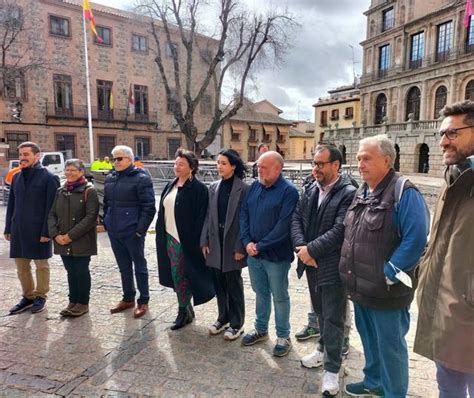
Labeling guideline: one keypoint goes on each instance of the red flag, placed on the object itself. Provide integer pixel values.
(90, 17)
(131, 101)
(467, 13)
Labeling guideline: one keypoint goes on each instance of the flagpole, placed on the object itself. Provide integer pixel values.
(89, 112)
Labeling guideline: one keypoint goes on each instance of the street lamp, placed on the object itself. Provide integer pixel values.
(16, 111)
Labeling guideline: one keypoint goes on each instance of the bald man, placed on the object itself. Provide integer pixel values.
(265, 219)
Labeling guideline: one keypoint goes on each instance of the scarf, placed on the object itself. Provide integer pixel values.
(71, 186)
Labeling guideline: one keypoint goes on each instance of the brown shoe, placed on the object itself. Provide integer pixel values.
(79, 309)
(122, 306)
(140, 310)
(67, 311)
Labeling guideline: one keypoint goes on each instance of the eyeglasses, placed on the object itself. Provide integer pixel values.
(119, 158)
(451, 134)
(320, 165)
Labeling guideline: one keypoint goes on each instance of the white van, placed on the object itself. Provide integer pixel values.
(53, 161)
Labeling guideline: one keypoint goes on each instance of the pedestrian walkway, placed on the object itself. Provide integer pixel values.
(101, 354)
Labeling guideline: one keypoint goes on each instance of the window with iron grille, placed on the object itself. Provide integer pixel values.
(14, 85)
(15, 138)
(380, 109)
(142, 147)
(106, 144)
(66, 142)
(104, 91)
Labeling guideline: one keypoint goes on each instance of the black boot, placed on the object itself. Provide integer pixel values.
(182, 319)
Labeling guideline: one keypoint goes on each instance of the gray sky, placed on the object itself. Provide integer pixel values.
(321, 56)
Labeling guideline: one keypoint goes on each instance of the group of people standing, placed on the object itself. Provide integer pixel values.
(358, 243)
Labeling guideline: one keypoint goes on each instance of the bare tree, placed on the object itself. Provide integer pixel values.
(18, 52)
(244, 41)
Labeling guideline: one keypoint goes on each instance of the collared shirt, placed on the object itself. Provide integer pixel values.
(265, 218)
(324, 191)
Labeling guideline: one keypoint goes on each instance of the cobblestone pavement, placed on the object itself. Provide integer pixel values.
(101, 354)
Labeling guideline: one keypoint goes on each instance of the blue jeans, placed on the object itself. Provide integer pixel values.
(386, 356)
(128, 251)
(271, 279)
(454, 384)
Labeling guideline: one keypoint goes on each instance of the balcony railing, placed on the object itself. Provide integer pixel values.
(280, 140)
(252, 138)
(114, 115)
(431, 59)
(266, 139)
(235, 137)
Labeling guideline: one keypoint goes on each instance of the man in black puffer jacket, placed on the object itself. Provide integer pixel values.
(317, 231)
(129, 208)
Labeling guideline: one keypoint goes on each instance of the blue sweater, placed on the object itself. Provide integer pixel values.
(412, 222)
(265, 218)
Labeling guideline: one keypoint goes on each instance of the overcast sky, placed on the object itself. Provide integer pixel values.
(321, 57)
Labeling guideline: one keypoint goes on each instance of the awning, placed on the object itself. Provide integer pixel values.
(269, 128)
(237, 127)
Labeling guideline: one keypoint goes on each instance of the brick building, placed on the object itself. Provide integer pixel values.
(417, 57)
(52, 99)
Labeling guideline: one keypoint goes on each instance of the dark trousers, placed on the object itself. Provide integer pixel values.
(129, 252)
(230, 297)
(330, 305)
(454, 384)
(78, 278)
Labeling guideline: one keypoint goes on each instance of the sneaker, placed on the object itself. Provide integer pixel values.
(307, 332)
(23, 305)
(282, 347)
(254, 337)
(232, 334)
(345, 346)
(67, 311)
(330, 384)
(216, 328)
(313, 360)
(359, 390)
(39, 304)
(79, 309)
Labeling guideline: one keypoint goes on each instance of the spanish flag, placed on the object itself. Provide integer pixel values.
(90, 17)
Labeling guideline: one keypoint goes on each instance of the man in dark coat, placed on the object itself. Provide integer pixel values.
(31, 197)
(317, 231)
(129, 208)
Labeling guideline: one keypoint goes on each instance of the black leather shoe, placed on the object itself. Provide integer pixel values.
(184, 317)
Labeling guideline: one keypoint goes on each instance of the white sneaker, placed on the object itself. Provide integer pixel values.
(330, 384)
(232, 334)
(217, 328)
(313, 360)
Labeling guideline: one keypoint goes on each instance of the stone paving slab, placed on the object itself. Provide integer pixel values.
(107, 355)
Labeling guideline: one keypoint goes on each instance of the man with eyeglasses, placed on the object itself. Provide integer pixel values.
(317, 231)
(445, 332)
(386, 227)
(129, 208)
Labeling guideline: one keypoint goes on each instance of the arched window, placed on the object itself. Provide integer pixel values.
(470, 91)
(413, 103)
(396, 164)
(380, 108)
(441, 98)
(424, 159)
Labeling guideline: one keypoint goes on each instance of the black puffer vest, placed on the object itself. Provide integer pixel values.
(369, 241)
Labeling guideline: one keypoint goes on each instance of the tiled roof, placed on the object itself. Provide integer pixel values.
(300, 134)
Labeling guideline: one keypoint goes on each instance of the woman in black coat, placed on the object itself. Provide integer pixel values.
(221, 244)
(181, 264)
(72, 226)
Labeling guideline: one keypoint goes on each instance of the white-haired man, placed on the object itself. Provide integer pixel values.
(129, 208)
(385, 235)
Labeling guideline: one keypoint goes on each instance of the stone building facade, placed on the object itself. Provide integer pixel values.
(52, 98)
(253, 124)
(417, 57)
(301, 137)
